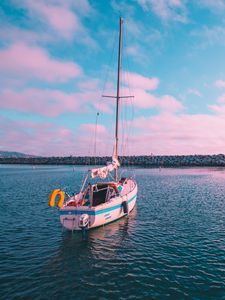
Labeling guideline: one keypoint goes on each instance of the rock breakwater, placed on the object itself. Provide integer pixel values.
(143, 160)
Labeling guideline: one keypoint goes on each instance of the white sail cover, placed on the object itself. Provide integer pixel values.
(104, 171)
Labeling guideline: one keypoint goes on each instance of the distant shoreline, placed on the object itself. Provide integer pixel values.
(142, 160)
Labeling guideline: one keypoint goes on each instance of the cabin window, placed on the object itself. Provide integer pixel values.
(102, 193)
(99, 195)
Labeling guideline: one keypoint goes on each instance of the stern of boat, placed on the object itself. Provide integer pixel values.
(76, 219)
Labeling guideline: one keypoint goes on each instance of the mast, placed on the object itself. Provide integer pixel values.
(118, 98)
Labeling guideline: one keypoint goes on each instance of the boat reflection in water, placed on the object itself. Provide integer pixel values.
(78, 250)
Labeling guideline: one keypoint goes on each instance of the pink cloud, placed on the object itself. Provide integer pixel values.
(164, 134)
(143, 99)
(133, 27)
(83, 7)
(141, 82)
(24, 61)
(221, 99)
(52, 103)
(179, 134)
(169, 104)
(95, 140)
(92, 128)
(133, 50)
(123, 6)
(36, 138)
(59, 17)
(45, 102)
(62, 19)
(209, 36)
(194, 92)
(50, 139)
(175, 2)
(220, 83)
(218, 109)
(217, 6)
(91, 84)
(13, 34)
(102, 106)
(166, 9)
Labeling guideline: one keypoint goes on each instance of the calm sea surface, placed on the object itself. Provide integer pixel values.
(172, 246)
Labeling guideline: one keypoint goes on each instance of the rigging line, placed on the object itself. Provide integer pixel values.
(126, 138)
(106, 80)
(110, 63)
(95, 135)
(127, 81)
(122, 102)
(126, 112)
(126, 129)
(124, 123)
(130, 86)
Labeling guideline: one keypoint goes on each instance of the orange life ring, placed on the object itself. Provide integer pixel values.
(53, 195)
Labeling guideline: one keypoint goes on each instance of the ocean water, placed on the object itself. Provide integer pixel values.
(172, 246)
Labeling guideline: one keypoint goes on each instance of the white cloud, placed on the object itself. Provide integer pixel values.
(194, 92)
(217, 6)
(167, 10)
(209, 36)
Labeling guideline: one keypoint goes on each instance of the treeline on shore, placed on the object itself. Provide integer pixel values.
(143, 161)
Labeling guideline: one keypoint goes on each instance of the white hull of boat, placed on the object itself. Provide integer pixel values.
(102, 214)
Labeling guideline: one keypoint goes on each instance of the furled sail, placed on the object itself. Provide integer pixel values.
(104, 171)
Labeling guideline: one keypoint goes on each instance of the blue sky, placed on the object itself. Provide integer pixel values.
(58, 57)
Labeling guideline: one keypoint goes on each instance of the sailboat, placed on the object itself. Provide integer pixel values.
(103, 198)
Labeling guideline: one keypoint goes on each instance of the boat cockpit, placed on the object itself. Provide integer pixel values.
(95, 194)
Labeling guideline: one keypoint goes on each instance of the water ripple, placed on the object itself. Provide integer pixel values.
(172, 246)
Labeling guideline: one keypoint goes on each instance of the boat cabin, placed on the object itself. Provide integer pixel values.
(103, 192)
(95, 194)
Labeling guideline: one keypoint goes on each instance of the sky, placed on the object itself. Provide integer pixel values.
(58, 57)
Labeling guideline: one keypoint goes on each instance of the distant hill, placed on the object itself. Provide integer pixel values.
(5, 154)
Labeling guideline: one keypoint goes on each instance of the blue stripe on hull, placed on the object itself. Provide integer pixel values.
(80, 212)
(109, 221)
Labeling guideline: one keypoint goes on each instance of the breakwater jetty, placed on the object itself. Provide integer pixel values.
(150, 161)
